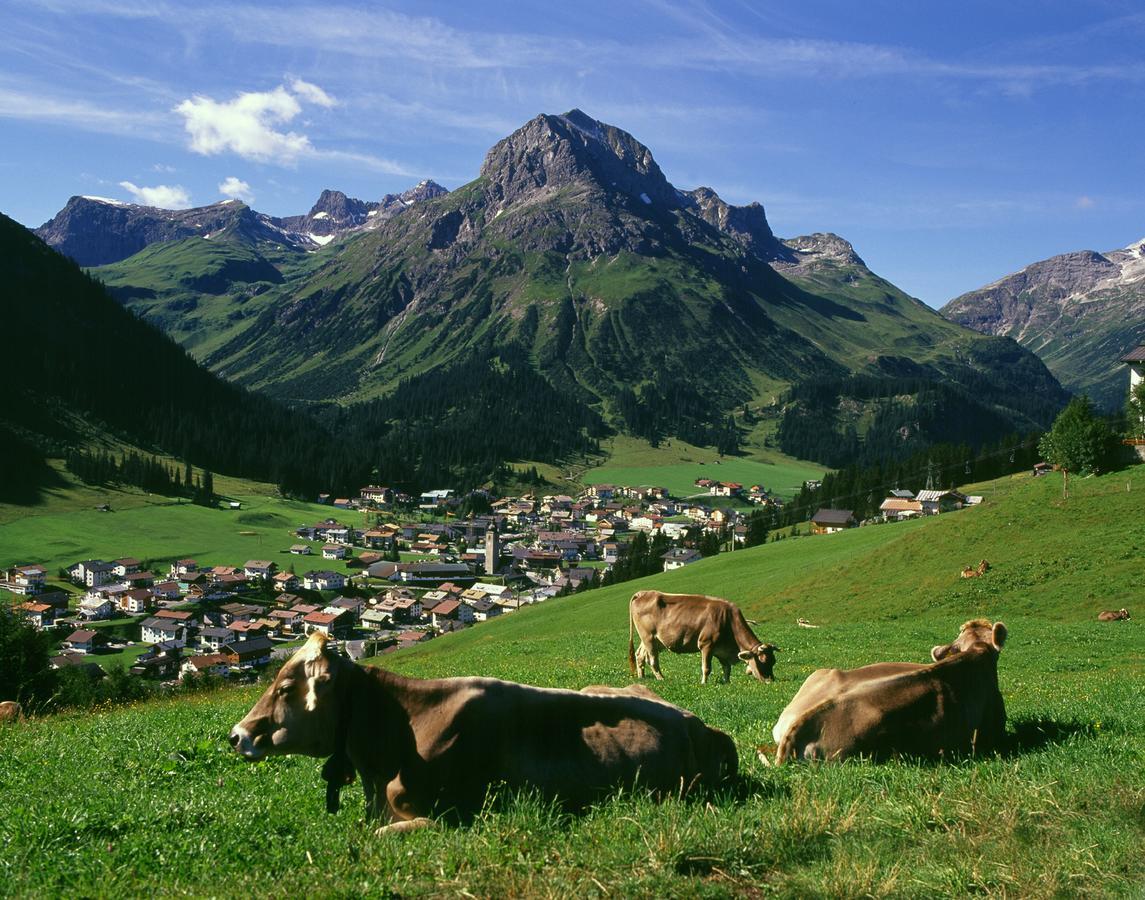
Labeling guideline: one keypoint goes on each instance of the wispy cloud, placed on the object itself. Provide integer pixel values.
(163, 196)
(32, 105)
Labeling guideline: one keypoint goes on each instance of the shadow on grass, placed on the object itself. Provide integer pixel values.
(1032, 734)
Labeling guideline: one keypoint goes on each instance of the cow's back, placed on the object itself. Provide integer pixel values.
(568, 745)
(679, 621)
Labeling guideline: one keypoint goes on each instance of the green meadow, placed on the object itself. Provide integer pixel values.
(150, 799)
(162, 529)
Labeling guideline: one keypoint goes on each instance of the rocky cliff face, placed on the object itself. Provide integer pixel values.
(94, 231)
(1078, 311)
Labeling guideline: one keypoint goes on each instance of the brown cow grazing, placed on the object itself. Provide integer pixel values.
(950, 706)
(11, 711)
(693, 623)
(1114, 615)
(414, 742)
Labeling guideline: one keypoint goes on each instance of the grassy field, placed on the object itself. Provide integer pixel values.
(147, 526)
(151, 800)
(676, 466)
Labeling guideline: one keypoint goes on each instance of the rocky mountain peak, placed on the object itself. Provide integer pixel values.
(747, 224)
(551, 152)
(822, 247)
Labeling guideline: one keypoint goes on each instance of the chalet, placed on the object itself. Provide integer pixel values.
(323, 581)
(377, 618)
(164, 660)
(644, 523)
(287, 619)
(204, 664)
(304, 609)
(183, 567)
(238, 612)
(155, 630)
(245, 629)
(259, 568)
(335, 623)
(901, 494)
(434, 499)
(40, 616)
(92, 573)
(613, 550)
(190, 581)
(27, 581)
(1042, 468)
(697, 512)
(219, 571)
(379, 496)
(409, 638)
(445, 611)
(166, 590)
(352, 605)
(247, 654)
(126, 566)
(333, 551)
(606, 528)
(214, 638)
(79, 661)
(138, 579)
(379, 538)
(828, 521)
(601, 492)
(531, 558)
(300, 549)
(96, 608)
(137, 601)
(678, 557)
(231, 581)
(84, 641)
(285, 581)
(342, 503)
(895, 509)
(483, 610)
(935, 502)
(725, 489)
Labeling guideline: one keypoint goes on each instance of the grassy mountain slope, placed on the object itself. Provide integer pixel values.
(1079, 312)
(1058, 815)
(572, 248)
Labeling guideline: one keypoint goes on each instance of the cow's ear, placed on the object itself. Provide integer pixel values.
(999, 634)
(938, 652)
(745, 655)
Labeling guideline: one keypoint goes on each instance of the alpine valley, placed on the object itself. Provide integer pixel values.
(572, 261)
(1080, 312)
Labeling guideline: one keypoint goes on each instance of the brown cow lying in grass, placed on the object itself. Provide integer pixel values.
(970, 572)
(430, 747)
(1111, 615)
(693, 623)
(950, 706)
(11, 711)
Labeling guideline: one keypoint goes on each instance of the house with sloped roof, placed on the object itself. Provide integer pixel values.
(829, 521)
(895, 509)
(678, 557)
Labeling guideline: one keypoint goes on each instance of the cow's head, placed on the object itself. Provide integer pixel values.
(976, 631)
(297, 713)
(760, 661)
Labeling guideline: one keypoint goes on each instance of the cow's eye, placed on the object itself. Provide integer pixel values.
(284, 688)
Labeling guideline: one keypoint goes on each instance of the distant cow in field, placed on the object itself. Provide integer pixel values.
(970, 572)
(952, 705)
(11, 711)
(693, 623)
(1114, 615)
(430, 747)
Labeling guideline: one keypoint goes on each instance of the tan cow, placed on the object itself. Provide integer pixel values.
(969, 572)
(952, 705)
(693, 623)
(1114, 615)
(11, 711)
(430, 747)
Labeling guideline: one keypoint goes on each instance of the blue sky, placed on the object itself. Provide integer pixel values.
(950, 143)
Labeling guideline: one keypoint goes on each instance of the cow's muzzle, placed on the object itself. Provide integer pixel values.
(244, 744)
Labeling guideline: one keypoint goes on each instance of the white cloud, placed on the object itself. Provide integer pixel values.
(311, 93)
(236, 189)
(246, 126)
(162, 195)
(163, 167)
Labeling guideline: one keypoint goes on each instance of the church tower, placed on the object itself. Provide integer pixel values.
(492, 548)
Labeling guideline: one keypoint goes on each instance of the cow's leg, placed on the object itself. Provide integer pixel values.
(654, 655)
(405, 825)
(641, 658)
(726, 663)
(705, 664)
(375, 806)
(402, 810)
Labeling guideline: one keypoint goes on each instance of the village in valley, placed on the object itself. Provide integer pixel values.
(371, 576)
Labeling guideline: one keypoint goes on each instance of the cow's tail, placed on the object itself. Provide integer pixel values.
(631, 646)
